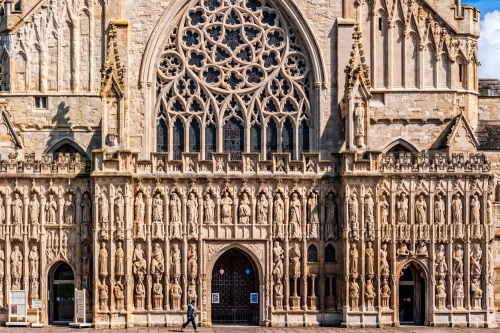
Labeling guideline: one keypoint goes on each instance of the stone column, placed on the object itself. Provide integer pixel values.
(112, 248)
(128, 245)
(304, 252)
(149, 244)
(286, 277)
(183, 277)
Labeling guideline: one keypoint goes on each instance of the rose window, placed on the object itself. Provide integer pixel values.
(234, 71)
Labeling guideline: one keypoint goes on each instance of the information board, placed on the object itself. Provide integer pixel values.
(80, 303)
(17, 304)
(254, 298)
(36, 304)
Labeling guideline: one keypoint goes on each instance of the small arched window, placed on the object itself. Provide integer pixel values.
(304, 137)
(210, 141)
(255, 139)
(162, 134)
(330, 253)
(287, 138)
(312, 254)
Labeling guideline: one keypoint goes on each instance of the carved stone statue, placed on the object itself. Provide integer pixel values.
(402, 209)
(157, 260)
(175, 216)
(384, 210)
(86, 205)
(119, 261)
(103, 262)
(313, 226)
(138, 261)
(422, 249)
(359, 124)
(458, 261)
(119, 296)
(385, 294)
(17, 215)
(295, 217)
(439, 210)
(103, 297)
(34, 260)
(104, 212)
(34, 209)
(119, 208)
(140, 292)
(295, 261)
(2, 211)
(420, 210)
(175, 294)
(475, 215)
(352, 207)
(16, 267)
(279, 217)
(354, 294)
(244, 209)
(370, 259)
(140, 211)
(330, 221)
(475, 261)
(278, 255)
(176, 261)
(51, 209)
(192, 215)
(209, 210)
(441, 289)
(226, 209)
(191, 292)
(353, 260)
(384, 264)
(370, 294)
(69, 210)
(402, 250)
(193, 262)
(456, 209)
(158, 295)
(262, 209)
(369, 206)
(158, 217)
(2, 274)
(440, 262)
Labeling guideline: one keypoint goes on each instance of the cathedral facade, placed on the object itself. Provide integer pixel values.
(281, 162)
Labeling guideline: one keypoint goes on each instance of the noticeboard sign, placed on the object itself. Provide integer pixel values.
(215, 298)
(80, 303)
(36, 304)
(254, 298)
(17, 304)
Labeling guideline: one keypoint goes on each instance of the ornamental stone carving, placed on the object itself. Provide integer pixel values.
(353, 260)
(69, 210)
(193, 263)
(175, 217)
(279, 217)
(313, 213)
(139, 214)
(17, 217)
(353, 207)
(119, 261)
(244, 210)
(16, 267)
(330, 225)
(157, 229)
(192, 216)
(226, 209)
(86, 206)
(295, 257)
(119, 215)
(103, 216)
(157, 260)
(103, 262)
(209, 210)
(262, 209)
(295, 231)
(176, 261)
(51, 210)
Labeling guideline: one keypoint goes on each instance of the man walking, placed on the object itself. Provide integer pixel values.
(190, 317)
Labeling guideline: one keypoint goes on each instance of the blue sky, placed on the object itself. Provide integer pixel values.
(489, 43)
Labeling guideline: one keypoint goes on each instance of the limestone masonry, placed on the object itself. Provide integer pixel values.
(281, 162)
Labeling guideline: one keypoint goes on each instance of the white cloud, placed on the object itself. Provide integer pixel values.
(489, 46)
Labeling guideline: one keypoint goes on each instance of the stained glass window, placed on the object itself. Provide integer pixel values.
(330, 254)
(312, 254)
(178, 139)
(271, 138)
(304, 137)
(233, 138)
(210, 141)
(194, 136)
(255, 139)
(162, 136)
(287, 138)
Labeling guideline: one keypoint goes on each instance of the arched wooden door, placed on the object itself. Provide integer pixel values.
(234, 282)
(61, 294)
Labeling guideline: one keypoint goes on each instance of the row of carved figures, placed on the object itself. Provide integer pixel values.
(140, 271)
(16, 262)
(421, 214)
(206, 210)
(439, 280)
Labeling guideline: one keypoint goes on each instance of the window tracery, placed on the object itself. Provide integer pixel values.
(233, 65)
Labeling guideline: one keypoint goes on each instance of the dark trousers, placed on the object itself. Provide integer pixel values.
(191, 319)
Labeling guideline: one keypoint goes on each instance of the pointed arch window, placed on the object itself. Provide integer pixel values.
(255, 139)
(194, 136)
(330, 253)
(271, 138)
(312, 254)
(178, 139)
(210, 141)
(287, 138)
(233, 138)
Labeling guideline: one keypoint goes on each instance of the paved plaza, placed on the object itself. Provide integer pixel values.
(252, 329)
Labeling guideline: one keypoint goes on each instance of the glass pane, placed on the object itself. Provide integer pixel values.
(194, 136)
(162, 136)
(287, 138)
(210, 141)
(178, 138)
(255, 139)
(271, 138)
(330, 254)
(304, 137)
(233, 139)
(312, 254)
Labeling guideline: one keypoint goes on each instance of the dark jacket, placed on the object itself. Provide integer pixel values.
(190, 310)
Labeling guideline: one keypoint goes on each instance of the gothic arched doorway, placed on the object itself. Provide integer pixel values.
(234, 280)
(411, 296)
(61, 294)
